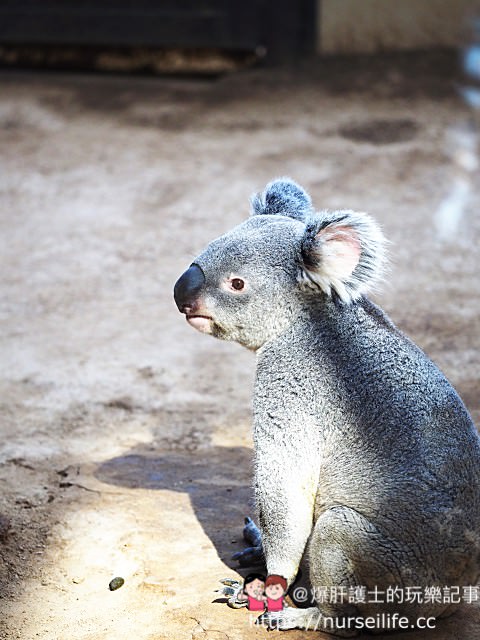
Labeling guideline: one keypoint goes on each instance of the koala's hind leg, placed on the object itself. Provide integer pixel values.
(345, 550)
(252, 555)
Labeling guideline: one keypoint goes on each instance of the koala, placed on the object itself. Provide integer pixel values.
(366, 461)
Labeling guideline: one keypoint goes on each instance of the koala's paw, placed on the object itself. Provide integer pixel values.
(232, 590)
(254, 554)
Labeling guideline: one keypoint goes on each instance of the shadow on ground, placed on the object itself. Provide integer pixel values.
(217, 481)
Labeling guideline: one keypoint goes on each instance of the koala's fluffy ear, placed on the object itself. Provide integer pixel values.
(342, 251)
(282, 197)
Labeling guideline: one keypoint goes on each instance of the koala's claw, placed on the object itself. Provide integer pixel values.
(249, 556)
(251, 533)
(231, 590)
(229, 582)
(254, 554)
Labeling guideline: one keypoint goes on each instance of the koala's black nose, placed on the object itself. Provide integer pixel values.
(188, 287)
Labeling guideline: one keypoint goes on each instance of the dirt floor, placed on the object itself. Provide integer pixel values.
(125, 435)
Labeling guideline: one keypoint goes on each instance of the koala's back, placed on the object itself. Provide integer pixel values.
(395, 441)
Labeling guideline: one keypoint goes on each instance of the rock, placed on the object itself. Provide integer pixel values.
(116, 583)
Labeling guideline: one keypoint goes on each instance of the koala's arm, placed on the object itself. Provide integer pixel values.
(286, 480)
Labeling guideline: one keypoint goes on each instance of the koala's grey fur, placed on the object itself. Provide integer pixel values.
(283, 198)
(365, 457)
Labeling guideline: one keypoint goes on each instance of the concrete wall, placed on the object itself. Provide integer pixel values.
(367, 26)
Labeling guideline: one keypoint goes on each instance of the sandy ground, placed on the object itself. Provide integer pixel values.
(125, 437)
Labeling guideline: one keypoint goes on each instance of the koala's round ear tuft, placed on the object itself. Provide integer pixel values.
(342, 251)
(282, 197)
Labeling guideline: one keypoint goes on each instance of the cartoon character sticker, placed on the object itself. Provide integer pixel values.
(275, 589)
(260, 593)
(253, 591)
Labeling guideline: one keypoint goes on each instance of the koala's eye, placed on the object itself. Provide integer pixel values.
(237, 284)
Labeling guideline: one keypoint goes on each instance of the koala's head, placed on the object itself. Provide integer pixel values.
(250, 284)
